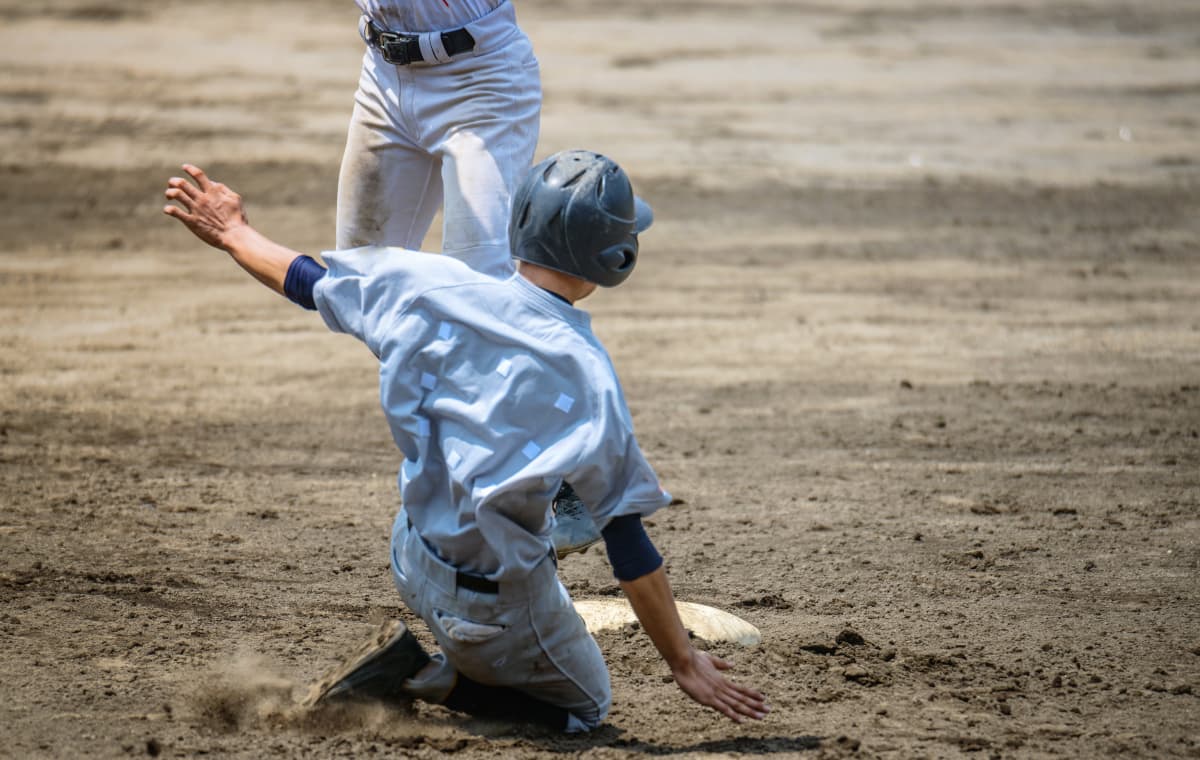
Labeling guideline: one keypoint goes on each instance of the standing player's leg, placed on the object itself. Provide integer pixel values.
(389, 188)
(478, 194)
(486, 141)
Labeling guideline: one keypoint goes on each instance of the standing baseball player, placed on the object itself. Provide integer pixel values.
(445, 115)
(495, 392)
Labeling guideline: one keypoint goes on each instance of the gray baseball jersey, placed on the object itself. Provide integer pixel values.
(495, 391)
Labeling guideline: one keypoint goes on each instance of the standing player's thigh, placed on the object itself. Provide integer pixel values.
(487, 141)
(389, 189)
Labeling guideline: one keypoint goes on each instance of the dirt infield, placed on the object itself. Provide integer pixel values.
(915, 343)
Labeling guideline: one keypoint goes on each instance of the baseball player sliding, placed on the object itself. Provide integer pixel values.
(445, 115)
(495, 392)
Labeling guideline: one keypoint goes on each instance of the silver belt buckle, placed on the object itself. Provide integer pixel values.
(398, 49)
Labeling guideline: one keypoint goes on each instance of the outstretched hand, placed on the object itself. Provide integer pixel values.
(215, 214)
(697, 673)
(701, 679)
(212, 211)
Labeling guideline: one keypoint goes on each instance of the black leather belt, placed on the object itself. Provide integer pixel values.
(401, 49)
(476, 583)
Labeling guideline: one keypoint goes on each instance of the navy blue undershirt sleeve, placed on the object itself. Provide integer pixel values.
(630, 550)
(302, 275)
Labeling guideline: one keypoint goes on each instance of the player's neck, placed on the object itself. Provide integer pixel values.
(561, 284)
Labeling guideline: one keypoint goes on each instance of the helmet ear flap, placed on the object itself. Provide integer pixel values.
(618, 260)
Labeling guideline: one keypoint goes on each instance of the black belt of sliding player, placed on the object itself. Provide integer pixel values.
(476, 583)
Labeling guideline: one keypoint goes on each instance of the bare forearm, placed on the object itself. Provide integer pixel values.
(654, 604)
(214, 213)
(263, 258)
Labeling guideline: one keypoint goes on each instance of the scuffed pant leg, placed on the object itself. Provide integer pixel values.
(389, 188)
(479, 178)
(477, 200)
(529, 638)
(486, 136)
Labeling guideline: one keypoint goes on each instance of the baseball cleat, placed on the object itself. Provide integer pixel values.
(574, 530)
(377, 671)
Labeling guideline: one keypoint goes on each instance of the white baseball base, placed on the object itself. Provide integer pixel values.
(704, 622)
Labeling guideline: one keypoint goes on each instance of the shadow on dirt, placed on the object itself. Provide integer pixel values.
(743, 745)
(610, 736)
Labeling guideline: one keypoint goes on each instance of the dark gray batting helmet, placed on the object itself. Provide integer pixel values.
(576, 212)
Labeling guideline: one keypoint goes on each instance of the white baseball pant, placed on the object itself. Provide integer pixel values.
(457, 133)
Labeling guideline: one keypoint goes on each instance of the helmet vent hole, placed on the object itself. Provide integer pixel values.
(574, 178)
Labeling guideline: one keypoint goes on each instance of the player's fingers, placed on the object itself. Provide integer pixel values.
(718, 663)
(741, 694)
(179, 183)
(178, 213)
(727, 709)
(748, 692)
(175, 194)
(751, 699)
(748, 709)
(755, 711)
(196, 173)
(747, 701)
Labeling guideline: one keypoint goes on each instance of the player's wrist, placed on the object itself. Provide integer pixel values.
(683, 663)
(236, 237)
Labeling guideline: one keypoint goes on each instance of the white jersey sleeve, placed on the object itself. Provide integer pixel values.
(631, 487)
(368, 289)
(354, 298)
(615, 479)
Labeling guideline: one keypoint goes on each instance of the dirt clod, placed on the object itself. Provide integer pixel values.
(850, 637)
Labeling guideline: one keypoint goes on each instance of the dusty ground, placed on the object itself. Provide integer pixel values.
(916, 342)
